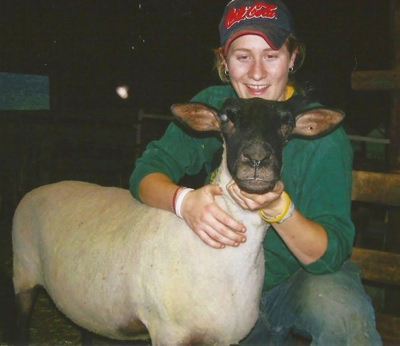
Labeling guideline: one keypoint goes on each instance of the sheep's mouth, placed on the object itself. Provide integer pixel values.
(256, 185)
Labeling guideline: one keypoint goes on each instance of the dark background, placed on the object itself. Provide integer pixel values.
(162, 49)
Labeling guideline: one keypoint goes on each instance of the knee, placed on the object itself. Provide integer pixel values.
(333, 295)
(335, 307)
(331, 290)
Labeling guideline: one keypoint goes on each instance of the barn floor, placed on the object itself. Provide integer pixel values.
(48, 326)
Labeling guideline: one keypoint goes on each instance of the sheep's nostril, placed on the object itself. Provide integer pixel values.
(252, 162)
(256, 163)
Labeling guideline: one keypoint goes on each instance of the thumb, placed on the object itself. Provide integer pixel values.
(279, 187)
(215, 190)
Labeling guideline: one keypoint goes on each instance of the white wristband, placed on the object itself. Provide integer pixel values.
(184, 191)
(289, 213)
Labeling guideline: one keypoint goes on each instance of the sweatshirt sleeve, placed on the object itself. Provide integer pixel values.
(321, 188)
(178, 153)
(173, 155)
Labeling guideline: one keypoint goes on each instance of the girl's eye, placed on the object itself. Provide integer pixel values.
(243, 57)
(272, 56)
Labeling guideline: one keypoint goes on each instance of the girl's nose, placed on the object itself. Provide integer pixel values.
(257, 70)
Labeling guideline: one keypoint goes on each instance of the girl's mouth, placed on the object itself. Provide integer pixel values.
(256, 89)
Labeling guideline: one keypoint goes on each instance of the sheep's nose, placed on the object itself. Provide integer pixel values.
(255, 163)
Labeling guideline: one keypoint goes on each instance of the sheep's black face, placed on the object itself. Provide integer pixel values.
(255, 131)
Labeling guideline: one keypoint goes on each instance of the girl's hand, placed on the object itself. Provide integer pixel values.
(211, 223)
(270, 202)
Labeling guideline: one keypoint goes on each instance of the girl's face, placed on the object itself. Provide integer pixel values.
(256, 70)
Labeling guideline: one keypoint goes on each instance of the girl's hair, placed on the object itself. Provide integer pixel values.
(292, 44)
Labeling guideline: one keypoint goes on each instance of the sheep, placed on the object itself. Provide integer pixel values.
(124, 270)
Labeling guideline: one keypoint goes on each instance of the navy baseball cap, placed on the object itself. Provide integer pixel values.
(269, 19)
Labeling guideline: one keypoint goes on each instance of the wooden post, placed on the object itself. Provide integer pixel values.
(387, 80)
(394, 128)
(392, 301)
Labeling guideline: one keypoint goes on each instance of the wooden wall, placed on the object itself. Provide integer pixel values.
(37, 148)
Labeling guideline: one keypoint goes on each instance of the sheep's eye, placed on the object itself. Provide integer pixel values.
(224, 118)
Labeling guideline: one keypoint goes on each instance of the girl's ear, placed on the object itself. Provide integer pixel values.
(293, 58)
(224, 63)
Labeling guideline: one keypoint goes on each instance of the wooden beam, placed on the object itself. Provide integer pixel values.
(395, 23)
(375, 80)
(388, 327)
(365, 139)
(388, 80)
(378, 266)
(373, 187)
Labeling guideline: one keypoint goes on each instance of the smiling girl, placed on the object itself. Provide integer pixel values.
(310, 288)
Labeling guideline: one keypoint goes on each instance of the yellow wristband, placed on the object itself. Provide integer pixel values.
(280, 217)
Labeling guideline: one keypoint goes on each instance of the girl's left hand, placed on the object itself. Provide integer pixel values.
(269, 201)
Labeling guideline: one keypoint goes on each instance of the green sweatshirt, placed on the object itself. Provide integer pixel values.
(317, 174)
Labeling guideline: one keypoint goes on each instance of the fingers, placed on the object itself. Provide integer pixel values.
(210, 241)
(218, 229)
(217, 240)
(254, 201)
(211, 223)
(236, 194)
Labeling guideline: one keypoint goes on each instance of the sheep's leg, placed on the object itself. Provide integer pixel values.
(87, 337)
(24, 304)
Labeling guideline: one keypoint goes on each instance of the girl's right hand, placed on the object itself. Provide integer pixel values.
(212, 224)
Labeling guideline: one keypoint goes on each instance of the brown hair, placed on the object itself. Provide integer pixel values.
(292, 44)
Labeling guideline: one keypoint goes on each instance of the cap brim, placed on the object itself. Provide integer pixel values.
(274, 38)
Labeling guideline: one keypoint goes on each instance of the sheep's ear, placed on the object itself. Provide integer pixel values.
(196, 115)
(317, 122)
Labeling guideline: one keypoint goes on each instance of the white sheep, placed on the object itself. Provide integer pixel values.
(122, 269)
